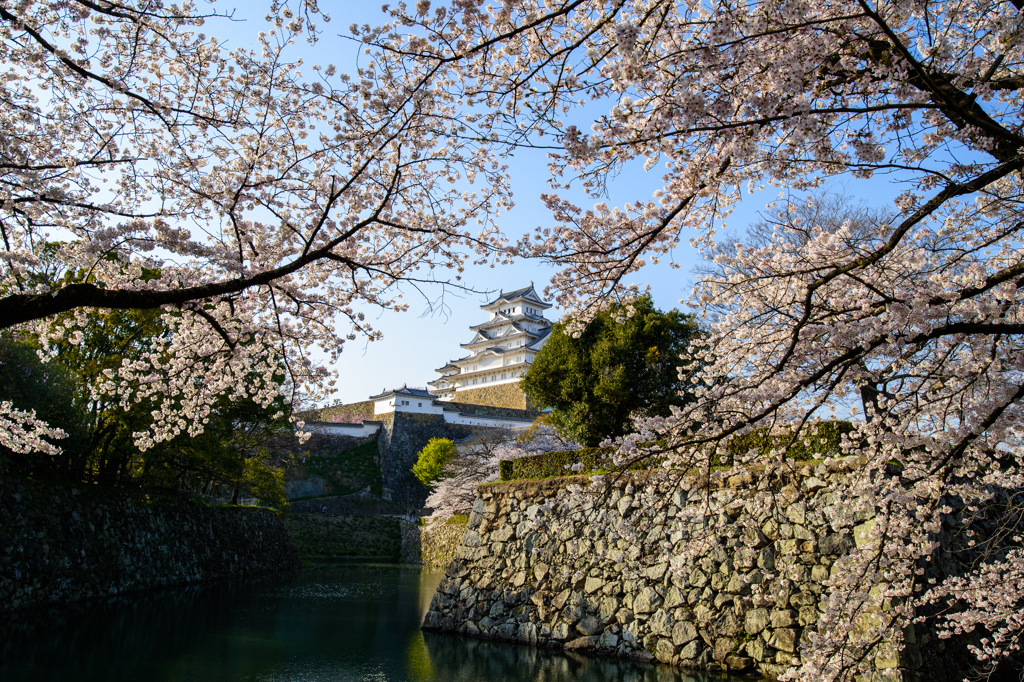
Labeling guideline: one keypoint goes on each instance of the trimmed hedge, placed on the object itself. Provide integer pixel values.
(550, 464)
(825, 443)
(553, 464)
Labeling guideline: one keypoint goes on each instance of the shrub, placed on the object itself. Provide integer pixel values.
(592, 460)
(826, 442)
(558, 463)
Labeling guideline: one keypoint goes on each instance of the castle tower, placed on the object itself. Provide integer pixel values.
(499, 353)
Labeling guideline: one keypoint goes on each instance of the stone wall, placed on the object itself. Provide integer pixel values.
(400, 440)
(493, 411)
(412, 547)
(62, 543)
(525, 574)
(499, 395)
(440, 541)
(352, 413)
(331, 536)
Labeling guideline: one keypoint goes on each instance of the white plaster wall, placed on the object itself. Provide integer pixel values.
(494, 422)
(419, 405)
(344, 429)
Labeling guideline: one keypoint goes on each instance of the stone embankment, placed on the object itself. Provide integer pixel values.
(441, 541)
(525, 572)
(63, 543)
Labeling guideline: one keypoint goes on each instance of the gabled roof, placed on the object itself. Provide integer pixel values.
(448, 365)
(480, 337)
(503, 318)
(514, 328)
(528, 293)
(404, 390)
(539, 341)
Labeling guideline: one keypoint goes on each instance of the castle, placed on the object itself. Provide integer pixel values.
(500, 351)
(478, 392)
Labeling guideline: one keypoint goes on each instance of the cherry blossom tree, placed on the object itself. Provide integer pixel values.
(476, 463)
(255, 202)
(917, 316)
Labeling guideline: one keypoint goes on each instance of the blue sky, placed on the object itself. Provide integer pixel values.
(428, 335)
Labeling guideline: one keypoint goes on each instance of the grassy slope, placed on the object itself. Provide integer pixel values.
(347, 472)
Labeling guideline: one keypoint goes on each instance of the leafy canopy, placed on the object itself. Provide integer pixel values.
(623, 364)
(432, 460)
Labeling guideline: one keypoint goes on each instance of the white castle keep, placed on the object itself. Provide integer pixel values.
(501, 349)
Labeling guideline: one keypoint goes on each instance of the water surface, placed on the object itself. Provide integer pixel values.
(336, 624)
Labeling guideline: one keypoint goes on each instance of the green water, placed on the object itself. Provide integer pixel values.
(339, 624)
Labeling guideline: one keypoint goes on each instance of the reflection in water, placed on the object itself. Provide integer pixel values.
(341, 624)
(469, 660)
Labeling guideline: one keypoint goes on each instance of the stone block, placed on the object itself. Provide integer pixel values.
(608, 608)
(756, 620)
(674, 597)
(581, 643)
(808, 615)
(591, 625)
(656, 572)
(738, 663)
(647, 601)
(527, 633)
(664, 651)
(683, 632)
(737, 585)
(783, 639)
(661, 623)
(691, 650)
(802, 599)
(608, 641)
(593, 584)
(813, 484)
(755, 649)
(724, 646)
(783, 618)
(862, 534)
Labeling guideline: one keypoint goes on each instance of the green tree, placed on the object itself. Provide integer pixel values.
(432, 460)
(623, 364)
(239, 450)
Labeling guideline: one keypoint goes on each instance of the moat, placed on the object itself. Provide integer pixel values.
(328, 624)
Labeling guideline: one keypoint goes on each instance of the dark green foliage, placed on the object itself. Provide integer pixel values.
(347, 472)
(235, 454)
(49, 390)
(596, 382)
